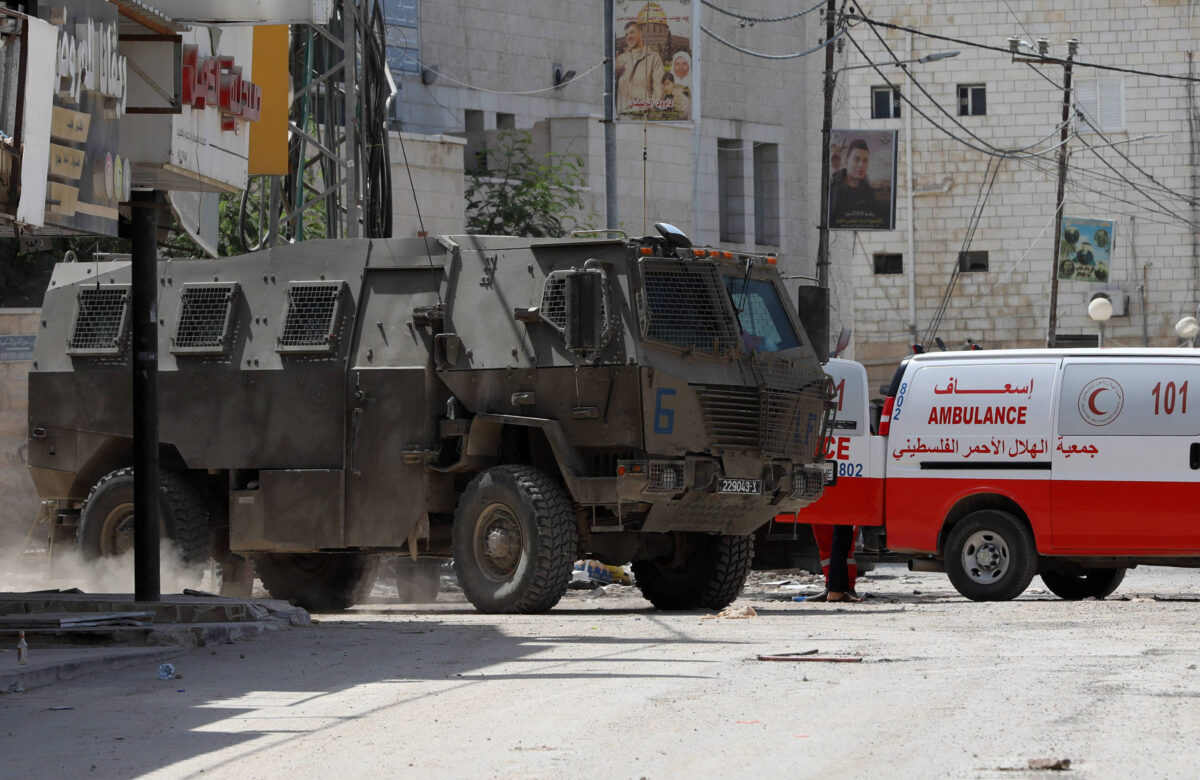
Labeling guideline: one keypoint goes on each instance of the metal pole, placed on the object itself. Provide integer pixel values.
(350, 74)
(826, 128)
(1072, 46)
(908, 187)
(610, 127)
(144, 306)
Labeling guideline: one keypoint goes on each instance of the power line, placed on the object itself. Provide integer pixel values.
(763, 19)
(1043, 57)
(766, 56)
(453, 80)
(1186, 198)
(989, 149)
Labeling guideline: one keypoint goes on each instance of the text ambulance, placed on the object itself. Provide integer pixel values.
(999, 465)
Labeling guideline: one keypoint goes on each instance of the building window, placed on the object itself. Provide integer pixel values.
(885, 102)
(972, 262)
(888, 263)
(401, 19)
(506, 121)
(731, 190)
(1102, 102)
(766, 194)
(972, 100)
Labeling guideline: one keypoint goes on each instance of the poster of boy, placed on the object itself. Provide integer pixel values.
(862, 181)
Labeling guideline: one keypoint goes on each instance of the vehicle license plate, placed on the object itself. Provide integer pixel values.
(741, 486)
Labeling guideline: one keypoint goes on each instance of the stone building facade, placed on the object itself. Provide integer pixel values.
(742, 177)
(1139, 171)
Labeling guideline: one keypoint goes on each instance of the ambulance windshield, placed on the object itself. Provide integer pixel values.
(764, 320)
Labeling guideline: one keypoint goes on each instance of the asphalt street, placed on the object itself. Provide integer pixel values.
(928, 685)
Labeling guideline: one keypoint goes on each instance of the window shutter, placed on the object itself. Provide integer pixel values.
(1112, 104)
(1085, 99)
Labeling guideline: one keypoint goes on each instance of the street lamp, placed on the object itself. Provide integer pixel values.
(1100, 310)
(941, 55)
(1187, 328)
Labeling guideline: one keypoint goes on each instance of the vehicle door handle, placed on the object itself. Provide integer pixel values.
(1194, 456)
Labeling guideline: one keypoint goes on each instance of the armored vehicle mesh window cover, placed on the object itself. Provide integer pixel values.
(684, 306)
(312, 311)
(553, 306)
(204, 316)
(101, 320)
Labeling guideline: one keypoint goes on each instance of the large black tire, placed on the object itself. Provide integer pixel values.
(515, 540)
(990, 556)
(417, 582)
(712, 573)
(318, 582)
(1072, 586)
(106, 522)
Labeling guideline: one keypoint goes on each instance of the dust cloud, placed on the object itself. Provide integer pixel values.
(33, 567)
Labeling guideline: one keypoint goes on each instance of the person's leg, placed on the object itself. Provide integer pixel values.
(843, 540)
(823, 535)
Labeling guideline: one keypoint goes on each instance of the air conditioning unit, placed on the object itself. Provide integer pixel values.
(1118, 298)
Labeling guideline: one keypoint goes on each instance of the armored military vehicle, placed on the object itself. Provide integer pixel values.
(514, 403)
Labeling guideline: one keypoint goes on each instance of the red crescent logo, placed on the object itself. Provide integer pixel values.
(1091, 413)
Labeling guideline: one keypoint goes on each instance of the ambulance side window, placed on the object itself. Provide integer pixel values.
(1130, 399)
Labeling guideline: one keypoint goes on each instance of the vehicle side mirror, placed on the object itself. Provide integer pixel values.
(585, 311)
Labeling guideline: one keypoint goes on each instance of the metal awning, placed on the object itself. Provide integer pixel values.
(138, 17)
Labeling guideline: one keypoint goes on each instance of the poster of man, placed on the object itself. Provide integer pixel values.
(862, 194)
(1085, 249)
(653, 67)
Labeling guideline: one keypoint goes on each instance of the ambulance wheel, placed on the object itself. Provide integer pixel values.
(318, 582)
(990, 556)
(1094, 583)
(514, 540)
(106, 522)
(706, 572)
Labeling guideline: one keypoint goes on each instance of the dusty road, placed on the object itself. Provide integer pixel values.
(606, 687)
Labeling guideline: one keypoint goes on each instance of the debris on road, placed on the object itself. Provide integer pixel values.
(829, 659)
(1050, 764)
(733, 613)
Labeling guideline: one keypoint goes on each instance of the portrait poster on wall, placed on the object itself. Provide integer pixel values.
(654, 70)
(862, 179)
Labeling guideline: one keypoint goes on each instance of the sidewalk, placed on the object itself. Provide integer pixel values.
(121, 632)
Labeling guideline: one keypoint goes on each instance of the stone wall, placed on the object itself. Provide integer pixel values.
(20, 500)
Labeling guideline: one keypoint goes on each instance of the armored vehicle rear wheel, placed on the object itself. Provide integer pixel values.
(1094, 583)
(417, 582)
(990, 556)
(706, 572)
(106, 522)
(515, 540)
(319, 582)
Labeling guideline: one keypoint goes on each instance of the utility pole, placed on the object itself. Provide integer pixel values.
(610, 127)
(1072, 48)
(820, 297)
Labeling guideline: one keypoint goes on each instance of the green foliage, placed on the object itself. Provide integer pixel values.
(521, 196)
(26, 263)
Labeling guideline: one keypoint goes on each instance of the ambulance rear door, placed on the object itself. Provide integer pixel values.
(857, 498)
(1126, 475)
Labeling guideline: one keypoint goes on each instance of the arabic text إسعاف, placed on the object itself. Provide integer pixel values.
(952, 388)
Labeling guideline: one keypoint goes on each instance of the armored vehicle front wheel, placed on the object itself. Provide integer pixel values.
(990, 556)
(1093, 583)
(106, 522)
(707, 571)
(318, 582)
(515, 540)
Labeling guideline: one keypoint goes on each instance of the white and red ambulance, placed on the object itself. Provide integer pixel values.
(999, 465)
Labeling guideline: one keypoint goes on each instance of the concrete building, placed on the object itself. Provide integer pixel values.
(743, 176)
(1132, 161)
